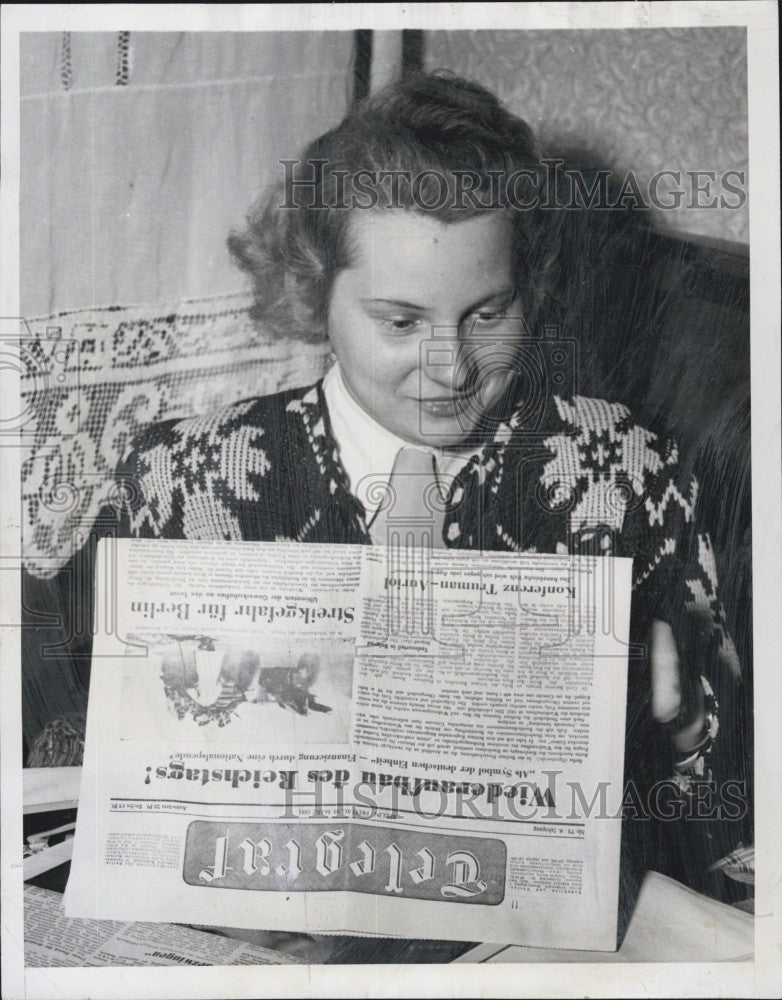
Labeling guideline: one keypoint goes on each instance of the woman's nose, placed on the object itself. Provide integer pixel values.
(447, 360)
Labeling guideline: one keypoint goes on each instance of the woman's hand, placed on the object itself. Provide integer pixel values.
(667, 700)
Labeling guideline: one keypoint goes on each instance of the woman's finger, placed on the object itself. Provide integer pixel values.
(667, 689)
(692, 735)
(666, 684)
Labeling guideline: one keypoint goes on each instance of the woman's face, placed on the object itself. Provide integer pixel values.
(425, 322)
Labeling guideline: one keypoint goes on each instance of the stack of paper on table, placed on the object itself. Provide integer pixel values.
(670, 923)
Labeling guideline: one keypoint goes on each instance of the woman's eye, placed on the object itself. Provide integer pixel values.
(495, 315)
(399, 324)
(490, 316)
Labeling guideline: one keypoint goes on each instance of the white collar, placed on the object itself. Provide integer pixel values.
(367, 450)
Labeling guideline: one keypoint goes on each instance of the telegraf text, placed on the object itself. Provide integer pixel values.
(313, 857)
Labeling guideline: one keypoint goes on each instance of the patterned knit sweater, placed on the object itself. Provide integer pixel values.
(585, 479)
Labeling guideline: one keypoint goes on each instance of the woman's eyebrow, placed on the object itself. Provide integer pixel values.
(401, 304)
(393, 302)
(503, 293)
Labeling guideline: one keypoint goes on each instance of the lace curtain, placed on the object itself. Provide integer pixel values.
(140, 151)
(139, 154)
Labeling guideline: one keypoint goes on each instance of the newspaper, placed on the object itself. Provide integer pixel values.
(354, 739)
(52, 939)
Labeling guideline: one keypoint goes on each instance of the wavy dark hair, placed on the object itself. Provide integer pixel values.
(437, 127)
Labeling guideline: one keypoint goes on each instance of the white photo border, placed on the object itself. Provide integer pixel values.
(760, 977)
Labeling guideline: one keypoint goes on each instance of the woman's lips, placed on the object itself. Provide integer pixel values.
(477, 397)
(446, 406)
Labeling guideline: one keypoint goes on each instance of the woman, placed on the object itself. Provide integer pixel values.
(420, 237)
